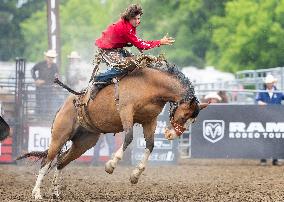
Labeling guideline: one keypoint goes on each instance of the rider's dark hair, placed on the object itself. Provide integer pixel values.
(132, 11)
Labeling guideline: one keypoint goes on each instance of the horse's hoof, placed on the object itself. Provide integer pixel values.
(56, 196)
(36, 195)
(134, 179)
(109, 168)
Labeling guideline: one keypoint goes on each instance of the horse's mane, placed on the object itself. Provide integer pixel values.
(161, 64)
(173, 70)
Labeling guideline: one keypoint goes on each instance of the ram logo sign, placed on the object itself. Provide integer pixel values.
(213, 130)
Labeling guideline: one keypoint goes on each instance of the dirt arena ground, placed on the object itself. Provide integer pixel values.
(191, 180)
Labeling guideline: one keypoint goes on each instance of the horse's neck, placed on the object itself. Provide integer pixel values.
(169, 88)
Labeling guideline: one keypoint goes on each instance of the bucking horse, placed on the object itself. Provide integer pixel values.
(139, 98)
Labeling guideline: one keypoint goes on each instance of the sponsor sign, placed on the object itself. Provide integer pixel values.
(39, 140)
(164, 152)
(213, 130)
(239, 131)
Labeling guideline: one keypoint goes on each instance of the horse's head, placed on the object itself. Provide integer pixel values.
(181, 116)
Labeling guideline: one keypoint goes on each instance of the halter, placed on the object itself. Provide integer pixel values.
(179, 129)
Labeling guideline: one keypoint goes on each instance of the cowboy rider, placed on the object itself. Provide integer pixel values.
(113, 40)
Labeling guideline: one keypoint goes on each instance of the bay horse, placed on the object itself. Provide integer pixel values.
(142, 96)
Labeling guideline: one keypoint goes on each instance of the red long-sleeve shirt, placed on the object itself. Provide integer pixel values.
(120, 33)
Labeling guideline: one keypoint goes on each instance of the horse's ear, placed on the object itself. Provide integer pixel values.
(203, 105)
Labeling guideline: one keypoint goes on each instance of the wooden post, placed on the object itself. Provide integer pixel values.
(53, 28)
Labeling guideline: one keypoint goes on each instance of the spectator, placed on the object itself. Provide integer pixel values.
(44, 73)
(267, 98)
(75, 78)
(224, 97)
(238, 94)
(212, 97)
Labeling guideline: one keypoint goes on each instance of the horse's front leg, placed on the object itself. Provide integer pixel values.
(111, 164)
(149, 130)
(127, 122)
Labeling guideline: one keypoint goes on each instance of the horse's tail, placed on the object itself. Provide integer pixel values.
(38, 154)
(56, 80)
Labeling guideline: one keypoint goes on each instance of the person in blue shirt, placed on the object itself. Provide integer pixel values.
(269, 97)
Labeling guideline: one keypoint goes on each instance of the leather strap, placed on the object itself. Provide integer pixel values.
(116, 92)
(179, 129)
(81, 104)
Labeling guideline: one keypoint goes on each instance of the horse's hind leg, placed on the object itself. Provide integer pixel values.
(46, 165)
(36, 191)
(56, 147)
(81, 137)
(56, 183)
(80, 144)
(62, 128)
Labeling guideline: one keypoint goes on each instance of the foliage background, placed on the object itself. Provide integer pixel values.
(231, 35)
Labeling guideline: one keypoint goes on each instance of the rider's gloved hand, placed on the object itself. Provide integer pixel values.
(166, 40)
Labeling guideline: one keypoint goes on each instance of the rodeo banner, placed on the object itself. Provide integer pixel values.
(239, 131)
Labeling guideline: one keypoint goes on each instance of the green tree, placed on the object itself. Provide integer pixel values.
(12, 13)
(186, 20)
(80, 24)
(250, 38)
(34, 30)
